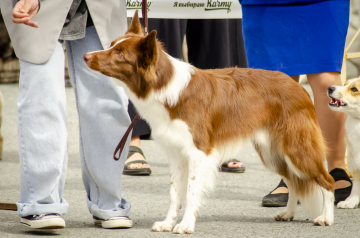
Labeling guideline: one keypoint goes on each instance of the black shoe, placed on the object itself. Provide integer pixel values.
(277, 199)
(342, 193)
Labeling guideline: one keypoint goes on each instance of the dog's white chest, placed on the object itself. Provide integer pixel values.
(352, 127)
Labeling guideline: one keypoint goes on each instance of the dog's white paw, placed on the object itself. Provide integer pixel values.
(163, 226)
(183, 228)
(323, 221)
(284, 216)
(349, 203)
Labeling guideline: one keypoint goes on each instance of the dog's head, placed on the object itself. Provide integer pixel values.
(131, 58)
(346, 98)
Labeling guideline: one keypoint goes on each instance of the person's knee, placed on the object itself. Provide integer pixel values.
(320, 82)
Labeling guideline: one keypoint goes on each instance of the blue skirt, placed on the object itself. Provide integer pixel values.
(296, 39)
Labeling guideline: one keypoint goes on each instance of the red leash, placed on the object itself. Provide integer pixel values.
(120, 146)
(144, 14)
(122, 142)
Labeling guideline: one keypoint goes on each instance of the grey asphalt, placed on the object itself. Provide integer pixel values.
(233, 210)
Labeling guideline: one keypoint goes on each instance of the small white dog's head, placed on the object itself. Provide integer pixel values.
(346, 98)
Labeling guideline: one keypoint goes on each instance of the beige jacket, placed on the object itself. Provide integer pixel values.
(36, 45)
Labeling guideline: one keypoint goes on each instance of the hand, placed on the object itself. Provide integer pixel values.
(24, 11)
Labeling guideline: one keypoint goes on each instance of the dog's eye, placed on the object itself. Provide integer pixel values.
(354, 89)
(121, 55)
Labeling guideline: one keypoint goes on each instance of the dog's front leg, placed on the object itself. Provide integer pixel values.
(202, 173)
(178, 182)
(354, 159)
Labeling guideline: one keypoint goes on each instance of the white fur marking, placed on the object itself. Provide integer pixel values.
(327, 216)
(180, 80)
(110, 47)
(293, 169)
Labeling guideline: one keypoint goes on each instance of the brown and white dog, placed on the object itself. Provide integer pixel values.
(201, 117)
(347, 99)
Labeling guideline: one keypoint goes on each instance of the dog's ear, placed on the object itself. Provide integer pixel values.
(349, 81)
(147, 49)
(135, 26)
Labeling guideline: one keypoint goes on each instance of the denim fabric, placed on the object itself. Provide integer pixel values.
(103, 119)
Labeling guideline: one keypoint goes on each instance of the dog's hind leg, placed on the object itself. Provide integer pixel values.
(178, 181)
(272, 159)
(201, 180)
(312, 183)
(289, 213)
(327, 216)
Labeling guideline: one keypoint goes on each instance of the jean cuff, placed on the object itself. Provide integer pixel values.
(27, 209)
(123, 210)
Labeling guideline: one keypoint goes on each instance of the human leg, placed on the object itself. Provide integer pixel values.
(332, 126)
(135, 163)
(42, 136)
(331, 122)
(103, 119)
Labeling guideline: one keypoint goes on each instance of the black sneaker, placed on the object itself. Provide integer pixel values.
(277, 199)
(43, 221)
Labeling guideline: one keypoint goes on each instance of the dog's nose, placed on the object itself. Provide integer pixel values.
(87, 57)
(331, 89)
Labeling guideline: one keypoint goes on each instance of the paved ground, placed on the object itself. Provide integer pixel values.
(233, 210)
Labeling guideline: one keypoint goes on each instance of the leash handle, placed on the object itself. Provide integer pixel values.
(144, 14)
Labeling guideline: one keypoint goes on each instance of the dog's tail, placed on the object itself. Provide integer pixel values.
(305, 152)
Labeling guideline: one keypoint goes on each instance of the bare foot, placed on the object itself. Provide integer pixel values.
(235, 164)
(137, 156)
(280, 190)
(341, 184)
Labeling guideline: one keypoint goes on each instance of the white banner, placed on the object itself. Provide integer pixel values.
(187, 9)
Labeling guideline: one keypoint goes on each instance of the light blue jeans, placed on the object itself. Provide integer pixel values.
(42, 132)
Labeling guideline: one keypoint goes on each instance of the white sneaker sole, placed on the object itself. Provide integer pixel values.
(115, 222)
(45, 223)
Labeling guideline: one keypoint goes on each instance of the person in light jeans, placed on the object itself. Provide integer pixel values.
(38, 33)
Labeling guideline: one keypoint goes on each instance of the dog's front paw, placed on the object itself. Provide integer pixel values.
(349, 203)
(284, 216)
(182, 228)
(323, 221)
(163, 226)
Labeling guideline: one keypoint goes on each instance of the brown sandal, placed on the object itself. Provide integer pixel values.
(142, 171)
(224, 167)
